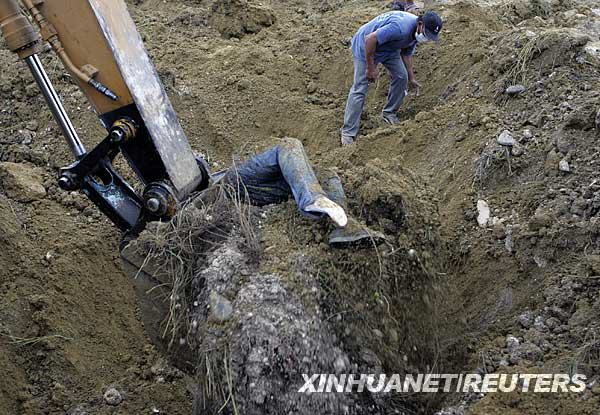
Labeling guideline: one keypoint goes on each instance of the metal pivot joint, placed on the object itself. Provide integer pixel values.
(94, 174)
(160, 200)
(123, 130)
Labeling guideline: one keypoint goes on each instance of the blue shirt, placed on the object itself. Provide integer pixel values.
(395, 36)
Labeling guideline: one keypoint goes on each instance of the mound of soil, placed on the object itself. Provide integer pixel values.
(253, 322)
(236, 18)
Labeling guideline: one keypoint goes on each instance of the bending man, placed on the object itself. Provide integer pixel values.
(390, 39)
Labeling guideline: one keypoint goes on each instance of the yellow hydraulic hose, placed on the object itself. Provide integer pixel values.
(51, 36)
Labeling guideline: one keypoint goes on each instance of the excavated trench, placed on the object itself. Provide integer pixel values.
(255, 304)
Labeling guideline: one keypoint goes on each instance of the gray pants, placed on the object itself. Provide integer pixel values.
(358, 92)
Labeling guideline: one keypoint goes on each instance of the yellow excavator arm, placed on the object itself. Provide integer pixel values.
(99, 45)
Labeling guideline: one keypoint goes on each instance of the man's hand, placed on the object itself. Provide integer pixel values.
(372, 73)
(415, 85)
(412, 80)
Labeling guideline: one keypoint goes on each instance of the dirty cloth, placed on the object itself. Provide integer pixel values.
(284, 170)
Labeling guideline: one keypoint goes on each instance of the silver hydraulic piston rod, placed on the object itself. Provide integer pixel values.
(24, 40)
(55, 104)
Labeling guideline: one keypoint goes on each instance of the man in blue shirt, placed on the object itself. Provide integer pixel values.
(389, 39)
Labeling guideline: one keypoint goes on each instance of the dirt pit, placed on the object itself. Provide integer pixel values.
(241, 74)
(252, 321)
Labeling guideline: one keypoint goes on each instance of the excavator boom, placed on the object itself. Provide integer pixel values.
(99, 45)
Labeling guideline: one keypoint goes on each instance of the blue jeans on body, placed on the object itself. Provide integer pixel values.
(358, 92)
(284, 170)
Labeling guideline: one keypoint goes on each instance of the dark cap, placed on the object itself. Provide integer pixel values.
(433, 25)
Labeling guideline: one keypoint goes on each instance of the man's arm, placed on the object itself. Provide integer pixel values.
(408, 62)
(382, 35)
(370, 49)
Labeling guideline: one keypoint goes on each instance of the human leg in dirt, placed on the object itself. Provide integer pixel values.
(354, 232)
(270, 177)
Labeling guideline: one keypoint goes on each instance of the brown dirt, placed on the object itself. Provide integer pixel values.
(69, 324)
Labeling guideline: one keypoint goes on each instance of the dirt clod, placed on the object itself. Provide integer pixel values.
(22, 182)
(236, 18)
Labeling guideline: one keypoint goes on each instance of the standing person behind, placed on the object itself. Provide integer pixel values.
(389, 39)
(405, 6)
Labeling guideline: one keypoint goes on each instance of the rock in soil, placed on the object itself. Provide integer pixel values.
(220, 308)
(526, 319)
(483, 210)
(564, 166)
(112, 397)
(506, 139)
(22, 182)
(515, 89)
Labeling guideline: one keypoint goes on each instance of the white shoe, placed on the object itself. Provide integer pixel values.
(325, 205)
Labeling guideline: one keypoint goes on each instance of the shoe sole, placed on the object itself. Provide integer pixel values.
(389, 122)
(356, 240)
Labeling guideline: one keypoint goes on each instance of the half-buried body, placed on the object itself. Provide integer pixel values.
(285, 170)
(264, 179)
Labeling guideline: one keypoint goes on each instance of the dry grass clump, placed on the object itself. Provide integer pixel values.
(31, 341)
(216, 384)
(587, 356)
(519, 70)
(177, 248)
(490, 159)
(526, 56)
